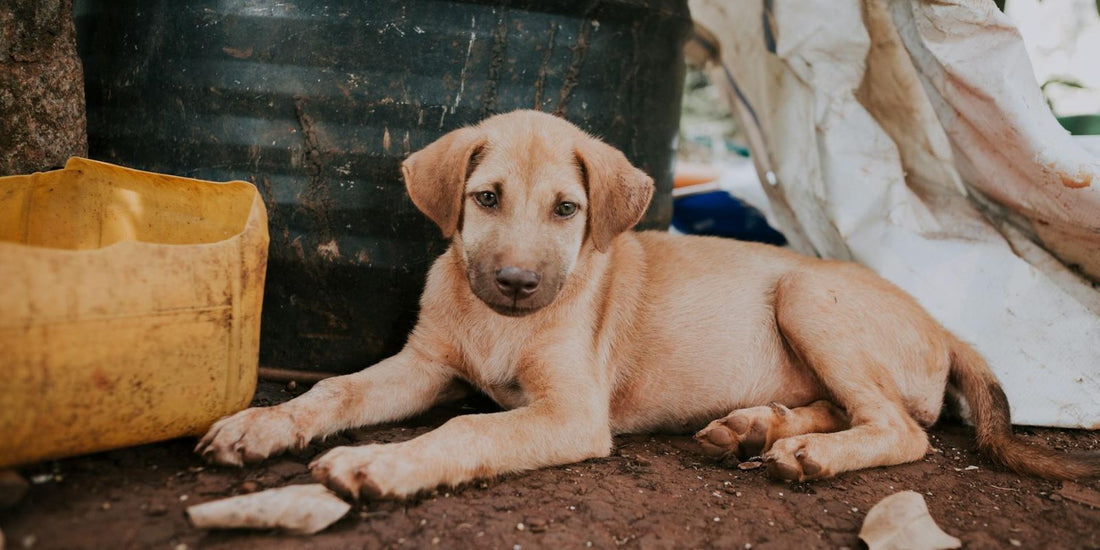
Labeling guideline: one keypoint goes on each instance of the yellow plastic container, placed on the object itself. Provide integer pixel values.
(129, 307)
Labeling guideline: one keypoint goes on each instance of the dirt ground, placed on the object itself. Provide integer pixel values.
(653, 492)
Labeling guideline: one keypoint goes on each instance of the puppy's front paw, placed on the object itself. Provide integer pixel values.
(370, 471)
(250, 436)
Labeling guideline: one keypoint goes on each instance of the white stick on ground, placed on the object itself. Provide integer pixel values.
(298, 509)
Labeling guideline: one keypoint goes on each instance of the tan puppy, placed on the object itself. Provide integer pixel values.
(582, 329)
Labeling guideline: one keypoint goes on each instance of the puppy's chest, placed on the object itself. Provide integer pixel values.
(490, 362)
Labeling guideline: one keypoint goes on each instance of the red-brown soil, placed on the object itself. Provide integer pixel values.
(653, 492)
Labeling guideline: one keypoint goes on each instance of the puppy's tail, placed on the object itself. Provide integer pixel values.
(989, 407)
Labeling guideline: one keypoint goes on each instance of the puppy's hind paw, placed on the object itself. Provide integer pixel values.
(791, 460)
(743, 433)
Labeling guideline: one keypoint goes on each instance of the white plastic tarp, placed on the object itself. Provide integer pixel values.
(911, 136)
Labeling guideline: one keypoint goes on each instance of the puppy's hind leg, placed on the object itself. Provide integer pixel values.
(752, 431)
(855, 333)
(881, 436)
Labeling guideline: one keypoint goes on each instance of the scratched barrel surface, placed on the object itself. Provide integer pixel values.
(318, 102)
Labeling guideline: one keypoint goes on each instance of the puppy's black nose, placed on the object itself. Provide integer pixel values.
(517, 283)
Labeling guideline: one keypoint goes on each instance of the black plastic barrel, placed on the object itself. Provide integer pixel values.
(317, 102)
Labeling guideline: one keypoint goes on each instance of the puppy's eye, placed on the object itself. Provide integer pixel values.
(488, 199)
(565, 209)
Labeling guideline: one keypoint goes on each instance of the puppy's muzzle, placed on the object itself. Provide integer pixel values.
(517, 283)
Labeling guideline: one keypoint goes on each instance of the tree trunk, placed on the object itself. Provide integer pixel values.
(42, 118)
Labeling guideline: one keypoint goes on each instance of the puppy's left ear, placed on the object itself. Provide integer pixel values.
(435, 176)
(618, 193)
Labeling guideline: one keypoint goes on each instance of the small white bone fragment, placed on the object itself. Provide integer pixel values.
(901, 522)
(298, 509)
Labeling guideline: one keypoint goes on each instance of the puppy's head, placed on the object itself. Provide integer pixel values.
(525, 195)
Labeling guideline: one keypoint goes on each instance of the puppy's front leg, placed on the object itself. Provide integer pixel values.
(566, 421)
(396, 388)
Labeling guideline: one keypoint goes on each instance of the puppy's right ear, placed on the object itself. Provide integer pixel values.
(435, 176)
(618, 193)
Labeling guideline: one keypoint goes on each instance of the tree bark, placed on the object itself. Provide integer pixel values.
(42, 115)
